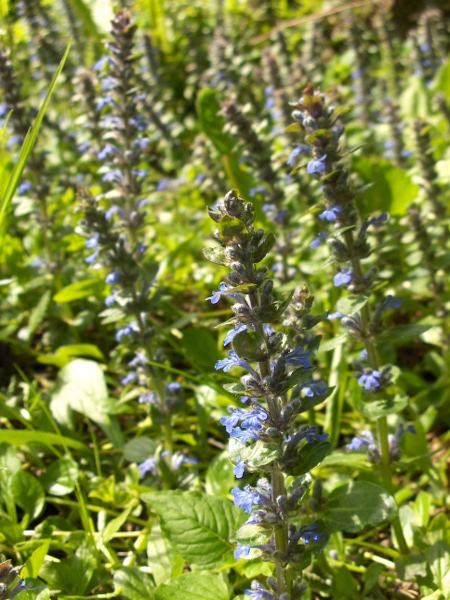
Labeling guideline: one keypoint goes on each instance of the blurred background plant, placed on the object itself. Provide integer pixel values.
(114, 473)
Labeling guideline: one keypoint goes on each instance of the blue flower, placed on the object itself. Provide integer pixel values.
(113, 278)
(234, 361)
(391, 302)
(317, 165)
(107, 151)
(308, 533)
(98, 66)
(92, 258)
(126, 331)
(105, 101)
(148, 398)
(230, 422)
(92, 241)
(363, 355)
(163, 184)
(344, 277)
(216, 296)
(364, 439)
(298, 357)
(371, 379)
(139, 122)
(148, 466)
(239, 469)
(114, 210)
(311, 435)
(114, 176)
(260, 189)
(247, 497)
(233, 332)
(331, 214)
(300, 149)
(139, 360)
(110, 300)
(315, 388)
(252, 420)
(130, 378)
(258, 592)
(242, 551)
(317, 241)
(24, 187)
(336, 315)
(244, 435)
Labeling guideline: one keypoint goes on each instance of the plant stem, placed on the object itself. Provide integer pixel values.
(278, 487)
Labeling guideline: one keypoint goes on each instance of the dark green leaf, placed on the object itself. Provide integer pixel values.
(251, 346)
(28, 493)
(307, 458)
(359, 504)
(379, 408)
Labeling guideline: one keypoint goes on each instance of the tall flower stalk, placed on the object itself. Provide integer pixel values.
(268, 437)
(350, 246)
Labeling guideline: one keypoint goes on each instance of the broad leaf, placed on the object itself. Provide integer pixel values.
(359, 504)
(198, 525)
(194, 586)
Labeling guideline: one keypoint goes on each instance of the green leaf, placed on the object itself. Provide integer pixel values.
(233, 230)
(251, 346)
(28, 493)
(343, 585)
(415, 100)
(164, 562)
(198, 525)
(200, 348)
(235, 388)
(441, 82)
(255, 455)
(252, 535)
(60, 478)
(71, 575)
(393, 190)
(333, 343)
(359, 504)
(79, 290)
(63, 354)
(387, 406)
(112, 528)
(300, 375)
(38, 313)
(438, 558)
(194, 586)
(81, 387)
(349, 305)
(263, 248)
(219, 477)
(19, 437)
(216, 255)
(133, 584)
(404, 332)
(139, 449)
(307, 458)
(28, 145)
(34, 563)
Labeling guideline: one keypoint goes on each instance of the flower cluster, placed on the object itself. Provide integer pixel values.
(278, 387)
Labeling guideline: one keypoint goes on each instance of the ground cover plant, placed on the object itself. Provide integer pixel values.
(225, 303)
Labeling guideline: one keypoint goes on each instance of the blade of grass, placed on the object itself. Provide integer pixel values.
(28, 145)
